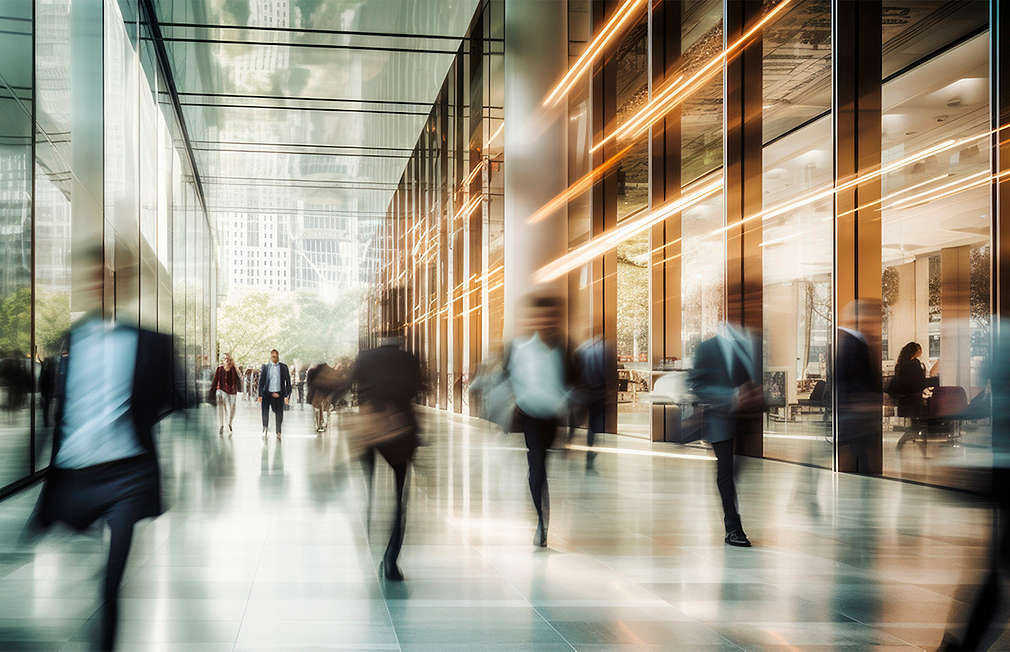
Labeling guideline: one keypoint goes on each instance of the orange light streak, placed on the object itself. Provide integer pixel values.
(473, 174)
(629, 227)
(582, 185)
(675, 93)
(595, 48)
(496, 133)
(469, 208)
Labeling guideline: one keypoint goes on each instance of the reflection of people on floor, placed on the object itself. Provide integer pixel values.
(724, 378)
(906, 388)
(986, 618)
(858, 380)
(115, 384)
(542, 373)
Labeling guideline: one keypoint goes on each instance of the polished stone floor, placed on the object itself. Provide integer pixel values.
(265, 546)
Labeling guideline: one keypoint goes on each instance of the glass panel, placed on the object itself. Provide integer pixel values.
(797, 255)
(936, 246)
(796, 68)
(16, 364)
(701, 112)
(703, 284)
(915, 29)
(631, 62)
(52, 207)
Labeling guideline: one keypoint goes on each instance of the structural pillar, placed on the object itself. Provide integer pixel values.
(856, 77)
(742, 177)
(536, 162)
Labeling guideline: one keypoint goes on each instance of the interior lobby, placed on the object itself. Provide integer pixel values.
(789, 180)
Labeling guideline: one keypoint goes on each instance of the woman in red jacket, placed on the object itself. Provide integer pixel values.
(226, 386)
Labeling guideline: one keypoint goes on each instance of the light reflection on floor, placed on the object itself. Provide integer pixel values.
(265, 546)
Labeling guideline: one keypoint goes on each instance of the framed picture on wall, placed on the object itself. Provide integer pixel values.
(775, 387)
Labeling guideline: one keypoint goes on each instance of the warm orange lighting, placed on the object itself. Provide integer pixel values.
(496, 133)
(577, 188)
(469, 208)
(677, 91)
(473, 174)
(944, 190)
(595, 48)
(629, 227)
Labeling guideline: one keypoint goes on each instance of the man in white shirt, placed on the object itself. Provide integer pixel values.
(274, 390)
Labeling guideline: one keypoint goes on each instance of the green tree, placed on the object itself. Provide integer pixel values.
(16, 321)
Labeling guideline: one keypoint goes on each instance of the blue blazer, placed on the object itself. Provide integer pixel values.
(711, 382)
(285, 381)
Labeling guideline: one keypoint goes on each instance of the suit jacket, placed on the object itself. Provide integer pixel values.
(154, 395)
(387, 377)
(714, 385)
(265, 381)
(858, 381)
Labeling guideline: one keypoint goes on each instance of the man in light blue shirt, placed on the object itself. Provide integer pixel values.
(97, 425)
(274, 390)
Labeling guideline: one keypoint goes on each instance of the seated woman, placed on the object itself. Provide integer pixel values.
(908, 384)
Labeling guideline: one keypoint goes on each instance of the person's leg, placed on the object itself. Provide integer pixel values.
(399, 518)
(278, 412)
(222, 410)
(368, 471)
(231, 401)
(119, 550)
(265, 408)
(595, 425)
(727, 484)
(539, 433)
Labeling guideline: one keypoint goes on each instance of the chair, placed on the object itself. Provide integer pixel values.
(947, 405)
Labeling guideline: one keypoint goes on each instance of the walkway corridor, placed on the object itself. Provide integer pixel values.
(264, 546)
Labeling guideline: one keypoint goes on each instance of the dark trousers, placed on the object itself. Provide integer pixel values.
(277, 404)
(725, 479)
(597, 421)
(119, 549)
(400, 515)
(301, 392)
(540, 435)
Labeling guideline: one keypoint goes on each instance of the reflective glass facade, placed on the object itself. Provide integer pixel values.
(91, 153)
(839, 154)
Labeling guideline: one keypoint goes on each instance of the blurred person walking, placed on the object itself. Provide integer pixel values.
(224, 389)
(591, 358)
(983, 623)
(298, 378)
(388, 380)
(112, 388)
(274, 390)
(541, 372)
(859, 389)
(724, 379)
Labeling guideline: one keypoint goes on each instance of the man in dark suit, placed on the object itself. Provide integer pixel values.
(724, 379)
(860, 390)
(113, 386)
(274, 390)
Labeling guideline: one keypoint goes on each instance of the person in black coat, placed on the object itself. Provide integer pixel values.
(388, 380)
(274, 390)
(111, 388)
(859, 390)
(723, 378)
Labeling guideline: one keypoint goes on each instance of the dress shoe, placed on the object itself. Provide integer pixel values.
(540, 537)
(230, 431)
(264, 433)
(390, 571)
(220, 431)
(738, 538)
(278, 436)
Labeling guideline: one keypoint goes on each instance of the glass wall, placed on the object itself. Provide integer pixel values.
(90, 153)
(444, 232)
(661, 291)
(935, 248)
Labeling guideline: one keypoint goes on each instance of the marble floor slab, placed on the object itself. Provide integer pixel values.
(271, 545)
